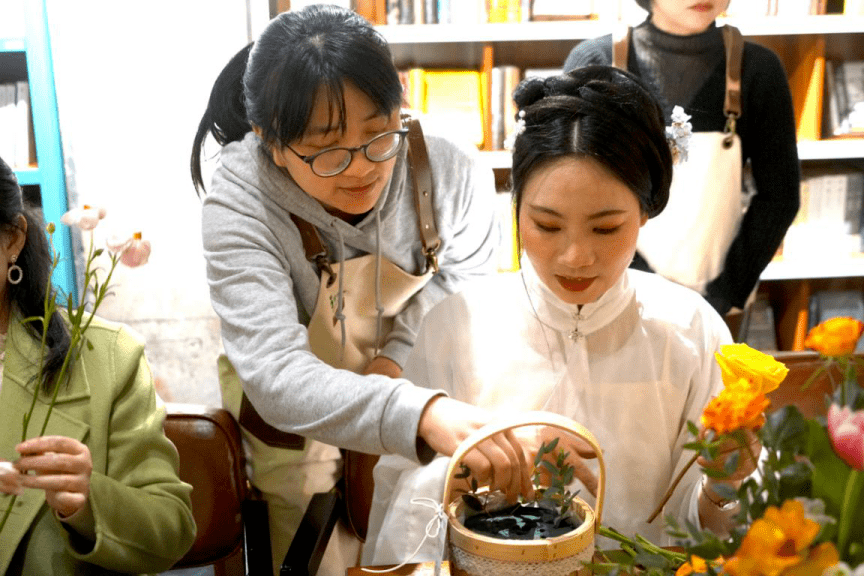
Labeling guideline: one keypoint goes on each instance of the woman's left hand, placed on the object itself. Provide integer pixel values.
(61, 467)
(384, 366)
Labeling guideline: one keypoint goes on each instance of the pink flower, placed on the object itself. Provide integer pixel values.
(84, 218)
(846, 429)
(136, 252)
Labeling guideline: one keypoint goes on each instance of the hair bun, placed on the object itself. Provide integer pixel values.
(529, 91)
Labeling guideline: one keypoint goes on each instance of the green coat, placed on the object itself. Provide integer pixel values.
(142, 510)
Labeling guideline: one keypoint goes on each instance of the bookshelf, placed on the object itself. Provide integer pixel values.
(26, 55)
(787, 283)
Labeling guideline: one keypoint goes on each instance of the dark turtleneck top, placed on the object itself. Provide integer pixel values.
(690, 71)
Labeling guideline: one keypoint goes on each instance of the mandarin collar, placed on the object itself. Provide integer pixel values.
(560, 315)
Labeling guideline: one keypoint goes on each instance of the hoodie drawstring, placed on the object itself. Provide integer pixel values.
(379, 309)
(340, 315)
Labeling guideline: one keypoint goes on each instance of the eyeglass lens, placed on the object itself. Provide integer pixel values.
(378, 149)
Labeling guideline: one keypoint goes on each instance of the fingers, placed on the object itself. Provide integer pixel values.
(10, 479)
(61, 467)
(54, 455)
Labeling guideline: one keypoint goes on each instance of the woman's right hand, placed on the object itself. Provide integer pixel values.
(499, 461)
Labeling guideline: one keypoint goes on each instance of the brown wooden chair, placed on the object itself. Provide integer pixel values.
(233, 531)
(812, 400)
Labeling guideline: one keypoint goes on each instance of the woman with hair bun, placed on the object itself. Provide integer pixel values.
(628, 354)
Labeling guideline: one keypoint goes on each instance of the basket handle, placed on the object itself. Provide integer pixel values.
(519, 420)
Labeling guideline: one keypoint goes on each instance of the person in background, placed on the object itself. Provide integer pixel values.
(627, 354)
(99, 493)
(679, 52)
(314, 153)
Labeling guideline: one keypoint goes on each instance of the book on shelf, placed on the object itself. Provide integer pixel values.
(502, 109)
(853, 8)
(844, 88)
(543, 10)
(830, 220)
(375, 11)
(452, 98)
(761, 330)
(806, 83)
(499, 11)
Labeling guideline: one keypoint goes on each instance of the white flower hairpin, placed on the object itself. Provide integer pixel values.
(678, 135)
(518, 129)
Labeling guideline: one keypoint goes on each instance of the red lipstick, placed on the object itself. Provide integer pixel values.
(575, 284)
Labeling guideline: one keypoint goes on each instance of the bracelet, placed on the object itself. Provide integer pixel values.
(723, 504)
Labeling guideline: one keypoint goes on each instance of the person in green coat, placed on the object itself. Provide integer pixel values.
(98, 493)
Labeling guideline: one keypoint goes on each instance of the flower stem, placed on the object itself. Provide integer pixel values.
(854, 487)
(672, 487)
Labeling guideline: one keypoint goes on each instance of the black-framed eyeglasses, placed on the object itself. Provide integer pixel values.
(333, 161)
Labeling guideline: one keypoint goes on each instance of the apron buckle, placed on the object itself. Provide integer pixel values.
(431, 260)
(731, 118)
(323, 264)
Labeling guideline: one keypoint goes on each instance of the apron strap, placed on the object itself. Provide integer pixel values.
(421, 173)
(315, 250)
(734, 44)
(255, 424)
(621, 47)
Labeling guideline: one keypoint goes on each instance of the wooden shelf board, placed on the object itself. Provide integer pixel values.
(851, 266)
(585, 29)
(780, 26)
(506, 32)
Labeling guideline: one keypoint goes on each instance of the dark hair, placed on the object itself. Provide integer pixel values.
(644, 4)
(273, 84)
(596, 112)
(35, 262)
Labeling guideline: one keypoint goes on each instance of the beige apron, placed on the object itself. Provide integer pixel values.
(289, 469)
(688, 242)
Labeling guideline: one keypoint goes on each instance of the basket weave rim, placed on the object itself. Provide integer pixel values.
(544, 549)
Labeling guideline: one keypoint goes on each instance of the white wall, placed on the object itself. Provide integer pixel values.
(132, 81)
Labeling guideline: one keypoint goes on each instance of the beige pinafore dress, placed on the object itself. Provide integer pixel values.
(289, 469)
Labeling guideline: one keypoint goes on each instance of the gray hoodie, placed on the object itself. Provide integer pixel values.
(264, 290)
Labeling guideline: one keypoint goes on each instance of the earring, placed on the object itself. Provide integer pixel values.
(14, 275)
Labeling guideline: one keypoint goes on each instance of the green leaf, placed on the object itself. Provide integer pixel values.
(731, 463)
(829, 471)
(692, 428)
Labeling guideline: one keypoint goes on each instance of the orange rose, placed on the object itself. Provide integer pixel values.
(835, 337)
(740, 405)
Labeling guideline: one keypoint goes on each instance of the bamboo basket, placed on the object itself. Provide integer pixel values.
(473, 554)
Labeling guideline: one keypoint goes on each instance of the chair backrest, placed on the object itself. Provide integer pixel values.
(212, 461)
(802, 365)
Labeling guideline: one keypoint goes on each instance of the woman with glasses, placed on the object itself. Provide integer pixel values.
(325, 247)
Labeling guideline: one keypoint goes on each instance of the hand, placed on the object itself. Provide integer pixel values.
(10, 478)
(61, 467)
(384, 366)
(748, 460)
(500, 460)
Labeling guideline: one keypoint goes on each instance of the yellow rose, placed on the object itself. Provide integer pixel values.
(835, 337)
(741, 361)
